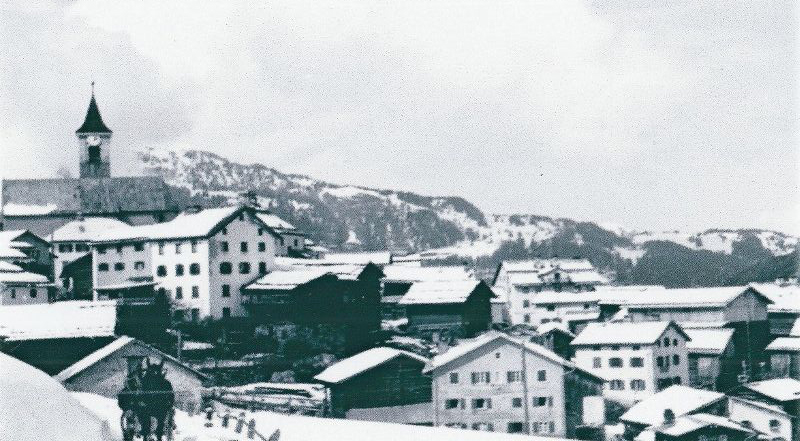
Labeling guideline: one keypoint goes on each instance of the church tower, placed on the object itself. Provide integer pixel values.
(94, 139)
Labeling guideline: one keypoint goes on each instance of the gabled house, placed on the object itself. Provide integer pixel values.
(636, 359)
(72, 240)
(27, 250)
(523, 280)
(698, 426)
(200, 260)
(20, 287)
(678, 400)
(785, 307)
(503, 384)
(783, 393)
(291, 241)
(459, 306)
(398, 279)
(769, 420)
(784, 357)
(385, 378)
(712, 364)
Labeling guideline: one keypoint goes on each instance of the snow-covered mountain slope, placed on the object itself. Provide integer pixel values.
(347, 216)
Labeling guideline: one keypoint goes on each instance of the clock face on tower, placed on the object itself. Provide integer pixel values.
(93, 141)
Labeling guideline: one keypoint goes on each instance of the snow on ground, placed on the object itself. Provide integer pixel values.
(350, 192)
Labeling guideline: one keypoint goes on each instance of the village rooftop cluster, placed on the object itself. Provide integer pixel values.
(248, 314)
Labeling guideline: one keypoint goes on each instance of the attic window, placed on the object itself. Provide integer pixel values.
(496, 355)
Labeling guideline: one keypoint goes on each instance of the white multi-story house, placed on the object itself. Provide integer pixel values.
(200, 259)
(636, 359)
(503, 384)
(522, 281)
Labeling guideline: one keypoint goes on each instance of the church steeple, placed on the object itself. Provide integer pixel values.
(94, 138)
(93, 122)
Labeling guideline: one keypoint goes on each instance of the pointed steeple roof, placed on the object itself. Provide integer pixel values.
(93, 122)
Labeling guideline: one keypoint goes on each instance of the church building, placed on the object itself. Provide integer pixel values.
(43, 205)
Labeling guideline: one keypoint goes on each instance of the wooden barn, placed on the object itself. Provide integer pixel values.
(376, 378)
(449, 306)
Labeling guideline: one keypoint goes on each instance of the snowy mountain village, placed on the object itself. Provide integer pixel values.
(125, 314)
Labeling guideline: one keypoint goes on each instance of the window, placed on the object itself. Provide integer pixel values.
(194, 269)
(541, 375)
(296, 243)
(597, 362)
(616, 385)
(637, 385)
(526, 318)
(160, 248)
(194, 246)
(262, 267)
(453, 377)
(260, 231)
(516, 402)
(551, 308)
(262, 247)
(484, 427)
(637, 362)
(138, 247)
(595, 348)
(660, 361)
(587, 305)
(178, 247)
(225, 268)
(195, 314)
(195, 292)
(666, 342)
(676, 359)
(539, 401)
(774, 425)
(636, 347)
(13, 293)
(676, 380)
(179, 270)
(223, 246)
(101, 249)
(226, 312)
(514, 376)
(615, 348)
(33, 293)
(161, 271)
(81, 247)
(243, 247)
(452, 403)
(120, 248)
(226, 290)
(62, 248)
(179, 292)
(281, 241)
(138, 265)
(516, 427)
(526, 303)
(244, 268)
(119, 266)
(674, 342)
(481, 377)
(615, 362)
(102, 267)
(481, 403)
(224, 231)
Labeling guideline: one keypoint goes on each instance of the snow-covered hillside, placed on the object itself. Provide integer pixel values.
(354, 217)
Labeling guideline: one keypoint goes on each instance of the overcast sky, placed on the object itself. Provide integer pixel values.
(644, 114)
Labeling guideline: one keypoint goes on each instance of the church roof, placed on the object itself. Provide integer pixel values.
(93, 122)
(36, 197)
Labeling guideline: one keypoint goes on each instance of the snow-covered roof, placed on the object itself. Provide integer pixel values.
(779, 389)
(84, 230)
(708, 340)
(344, 271)
(468, 346)
(185, 225)
(34, 406)
(128, 284)
(287, 279)
(785, 344)
(427, 293)
(689, 423)
(558, 298)
(69, 319)
(406, 273)
(622, 333)
(275, 222)
(680, 399)
(22, 277)
(362, 362)
(691, 297)
(362, 258)
(544, 328)
(8, 267)
(9, 252)
(786, 298)
(10, 235)
(108, 350)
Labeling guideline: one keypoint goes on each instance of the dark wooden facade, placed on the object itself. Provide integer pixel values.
(397, 382)
(472, 316)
